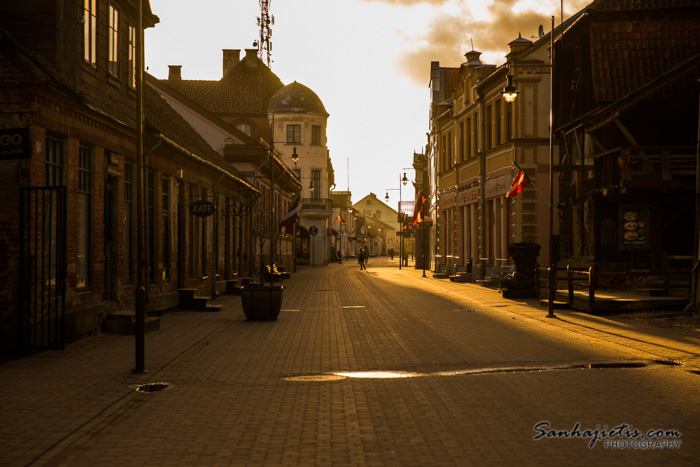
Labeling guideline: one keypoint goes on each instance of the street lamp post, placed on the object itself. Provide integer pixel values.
(509, 93)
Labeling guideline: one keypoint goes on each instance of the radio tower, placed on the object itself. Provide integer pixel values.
(265, 21)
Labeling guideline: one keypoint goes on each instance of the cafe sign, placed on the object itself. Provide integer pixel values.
(634, 228)
(14, 144)
(202, 208)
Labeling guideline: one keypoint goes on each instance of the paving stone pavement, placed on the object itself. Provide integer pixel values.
(472, 376)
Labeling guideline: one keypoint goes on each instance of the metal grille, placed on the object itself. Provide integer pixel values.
(42, 268)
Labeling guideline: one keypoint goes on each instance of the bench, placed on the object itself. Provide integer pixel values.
(273, 274)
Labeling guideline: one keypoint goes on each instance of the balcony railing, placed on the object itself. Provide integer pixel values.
(316, 204)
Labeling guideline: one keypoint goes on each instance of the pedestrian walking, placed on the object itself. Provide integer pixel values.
(361, 258)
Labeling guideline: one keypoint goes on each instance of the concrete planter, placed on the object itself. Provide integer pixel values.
(521, 283)
(262, 302)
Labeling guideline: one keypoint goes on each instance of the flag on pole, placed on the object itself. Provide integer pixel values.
(340, 219)
(418, 210)
(519, 182)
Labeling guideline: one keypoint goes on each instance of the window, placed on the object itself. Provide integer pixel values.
(489, 127)
(499, 137)
(132, 56)
(450, 155)
(475, 132)
(443, 153)
(54, 162)
(468, 142)
(316, 183)
(244, 128)
(84, 217)
(113, 64)
(165, 235)
(128, 223)
(316, 135)
(509, 122)
(294, 134)
(52, 224)
(378, 214)
(461, 142)
(90, 32)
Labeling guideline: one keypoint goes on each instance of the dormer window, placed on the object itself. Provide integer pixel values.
(244, 128)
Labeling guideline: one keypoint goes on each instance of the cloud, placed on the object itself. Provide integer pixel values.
(451, 33)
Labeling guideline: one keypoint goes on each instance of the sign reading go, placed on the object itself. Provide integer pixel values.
(14, 143)
(202, 208)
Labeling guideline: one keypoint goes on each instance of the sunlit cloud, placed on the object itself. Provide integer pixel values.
(486, 26)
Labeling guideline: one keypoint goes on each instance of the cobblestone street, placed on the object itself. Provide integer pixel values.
(375, 367)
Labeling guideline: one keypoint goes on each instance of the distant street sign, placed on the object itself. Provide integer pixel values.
(313, 230)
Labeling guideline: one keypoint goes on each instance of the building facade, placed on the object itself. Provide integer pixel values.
(70, 180)
(298, 121)
(478, 143)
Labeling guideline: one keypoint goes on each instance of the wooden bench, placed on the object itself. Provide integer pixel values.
(273, 274)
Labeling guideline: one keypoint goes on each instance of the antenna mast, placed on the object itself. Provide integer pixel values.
(265, 21)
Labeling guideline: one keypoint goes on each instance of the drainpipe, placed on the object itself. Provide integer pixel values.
(482, 163)
(215, 233)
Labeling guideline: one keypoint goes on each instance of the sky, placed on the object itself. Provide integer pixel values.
(367, 60)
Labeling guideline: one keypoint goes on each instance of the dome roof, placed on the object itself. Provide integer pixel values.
(296, 98)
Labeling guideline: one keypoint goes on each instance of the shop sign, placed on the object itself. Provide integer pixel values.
(202, 208)
(634, 228)
(14, 144)
(468, 196)
(498, 186)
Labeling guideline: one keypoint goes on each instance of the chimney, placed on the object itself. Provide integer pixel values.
(231, 59)
(175, 72)
(251, 56)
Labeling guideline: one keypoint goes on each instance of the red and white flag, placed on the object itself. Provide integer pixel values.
(418, 210)
(519, 183)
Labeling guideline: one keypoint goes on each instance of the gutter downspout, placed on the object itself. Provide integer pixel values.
(482, 164)
(215, 233)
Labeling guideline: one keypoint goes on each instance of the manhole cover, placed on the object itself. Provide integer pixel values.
(314, 378)
(151, 387)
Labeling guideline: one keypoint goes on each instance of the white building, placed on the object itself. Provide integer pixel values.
(298, 121)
